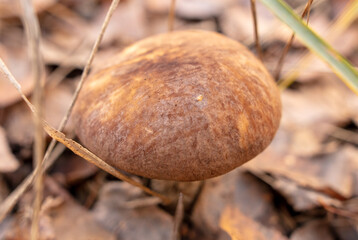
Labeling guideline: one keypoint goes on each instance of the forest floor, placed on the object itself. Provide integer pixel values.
(304, 186)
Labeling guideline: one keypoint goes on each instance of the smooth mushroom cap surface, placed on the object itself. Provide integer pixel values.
(185, 106)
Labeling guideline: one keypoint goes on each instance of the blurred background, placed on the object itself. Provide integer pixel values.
(303, 186)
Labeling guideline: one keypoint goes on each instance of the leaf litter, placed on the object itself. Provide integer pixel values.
(304, 186)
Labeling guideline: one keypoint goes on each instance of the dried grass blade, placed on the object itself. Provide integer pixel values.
(10, 202)
(178, 218)
(256, 32)
(32, 28)
(92, 158)
(289, 43)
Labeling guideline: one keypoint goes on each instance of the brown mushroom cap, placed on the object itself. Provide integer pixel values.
(182, 106)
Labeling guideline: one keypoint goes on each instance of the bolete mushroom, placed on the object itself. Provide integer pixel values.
(184, 106)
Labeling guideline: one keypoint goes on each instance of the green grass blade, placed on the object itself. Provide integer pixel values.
(315, 43)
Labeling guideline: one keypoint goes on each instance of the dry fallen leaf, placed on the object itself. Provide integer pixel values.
(235, 188)
(70, 169)
(322, 100)
(299, 197)
(61, 218)
(18, 119)
(142, 222)
(329, 174)
(240, 227)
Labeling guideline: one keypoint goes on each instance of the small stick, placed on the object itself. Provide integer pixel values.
(289, 43)
(179, 214)
(257, 41)
(171, 16)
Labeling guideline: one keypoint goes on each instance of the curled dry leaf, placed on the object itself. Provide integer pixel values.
(8, 162)
(146, 222)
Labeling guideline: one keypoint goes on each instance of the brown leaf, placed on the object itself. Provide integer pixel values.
(235, 188)
(70, 169)
(330, 174)
(18, 119)
(72, 221)
(323, 100)
(60, 218)
(300, 198)
(147, 222)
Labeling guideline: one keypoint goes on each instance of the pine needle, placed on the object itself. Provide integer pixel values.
(171, 16)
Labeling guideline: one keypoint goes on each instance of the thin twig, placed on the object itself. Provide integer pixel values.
(32, 27)
(179, 214)
(256, 33)
(83, 152)
(9, 205)
(289, 43)
(171, 16)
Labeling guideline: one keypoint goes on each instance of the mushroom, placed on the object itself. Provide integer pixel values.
(183, 106)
